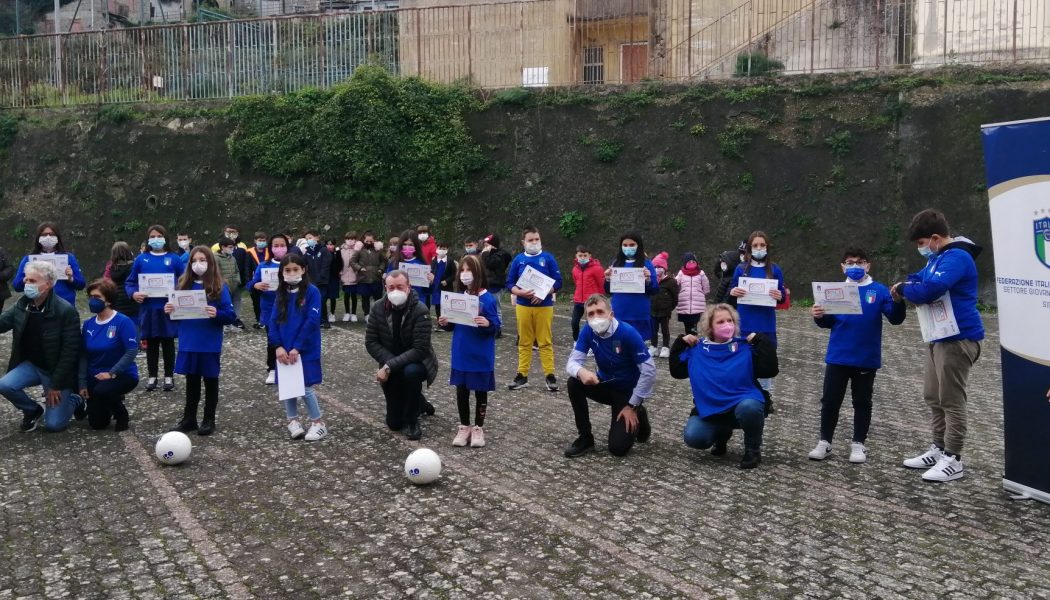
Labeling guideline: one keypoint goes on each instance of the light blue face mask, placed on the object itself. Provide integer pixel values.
(927, 252)
(629, 251)
(157, 243)
(32, 291)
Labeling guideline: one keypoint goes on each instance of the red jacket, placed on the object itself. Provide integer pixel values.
(430, 249)
(589, 280)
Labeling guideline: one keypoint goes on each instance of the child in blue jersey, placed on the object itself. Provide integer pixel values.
(154, 326)
(294, 329)
(723, 369)
(49, 243)
(107, 364)
(635, 309)
(442, 276)
(758, 264)
(279, 245)
(200, 340)
(854, 355)
(410, 252)
(950, 271)
(473, 353)
(535, 315)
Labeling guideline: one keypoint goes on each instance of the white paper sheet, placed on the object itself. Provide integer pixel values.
(757, 291)
(837, 297)
(937, 319)
(290, 382)
(269, 276)
(628, 280)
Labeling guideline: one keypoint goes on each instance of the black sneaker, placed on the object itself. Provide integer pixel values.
(415, 431)
(719, 449)
(552, 383)
(520, 381)
(151, 384)
(645, 430)
(80, 412)
(186, 425)
(258, 325)
(427, 408)
(239, 324)
(326, 325)
(582, 445)
(30, 422)
(751, 459)
(169, 384)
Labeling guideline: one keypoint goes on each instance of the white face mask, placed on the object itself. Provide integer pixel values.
(534, 248)
(600, 325)
(200, 268)
(424, 237)
(467, 278)
(184, 244)
(48, 241)
(442, 253)
(397, 297)
(293, 281)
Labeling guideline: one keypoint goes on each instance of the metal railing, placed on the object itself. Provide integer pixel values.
(508, 44)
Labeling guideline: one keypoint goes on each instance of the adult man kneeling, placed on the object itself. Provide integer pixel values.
(624, 379)
(45, 351)
(397, 336)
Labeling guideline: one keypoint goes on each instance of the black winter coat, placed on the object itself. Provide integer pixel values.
(118, 274)
(7, 271)
(61, 338)
(416, 328)
(496, 262)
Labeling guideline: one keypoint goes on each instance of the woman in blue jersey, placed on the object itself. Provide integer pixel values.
(633, 308)
(154, 326)
(473, 352)
(49, 243)
(758, 264)
(107, 364)
(723, 370)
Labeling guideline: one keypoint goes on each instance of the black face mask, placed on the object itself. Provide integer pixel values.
(370, 245)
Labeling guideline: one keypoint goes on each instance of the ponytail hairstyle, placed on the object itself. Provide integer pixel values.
(282, 289)
(639, 257)
(212, 279)
(473, 264)
(769, 253)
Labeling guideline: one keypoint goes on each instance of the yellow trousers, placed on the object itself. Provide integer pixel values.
(534, 325)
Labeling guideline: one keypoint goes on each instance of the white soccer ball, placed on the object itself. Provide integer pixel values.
(423, 466)
(173, 448)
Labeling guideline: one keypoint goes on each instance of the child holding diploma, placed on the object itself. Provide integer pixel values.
(473, 353)
(758, 264)
(410, 252)
(634, 309)
(279, 245)
(49, 243)
(200, 340)
(854, 355)
(154, 325)
(294, 330)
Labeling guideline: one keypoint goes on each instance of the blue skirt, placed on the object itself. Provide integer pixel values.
(473, 380)
(333, 290)
(350, 289)
(205, 364)
(373, 290)
(153, 323)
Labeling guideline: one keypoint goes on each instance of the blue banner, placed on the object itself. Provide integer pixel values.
(1017, 160)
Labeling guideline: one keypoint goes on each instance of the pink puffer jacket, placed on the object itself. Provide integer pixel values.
(692, 294)
(348, 276)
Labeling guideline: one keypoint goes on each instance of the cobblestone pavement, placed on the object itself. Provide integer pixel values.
(253, 515)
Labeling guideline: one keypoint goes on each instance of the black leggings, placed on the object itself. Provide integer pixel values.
(366, 302)
(664, 326)
(349, 303)
(256, 306)
(332, 302)
(193, 396)
(862, 386)
(463, 403)
(154, 346)
(271, 357)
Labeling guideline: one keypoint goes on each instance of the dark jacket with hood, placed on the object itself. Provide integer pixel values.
(496, 262)
(60, 338)
(731, 259)
(416, 328)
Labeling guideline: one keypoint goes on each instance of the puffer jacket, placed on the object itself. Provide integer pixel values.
(415, 335)
(589, 280)
(665, 301)
(369, 263)
(348, 276)
(692, 293)
(230, 270)
(124, 305)
(61, 338)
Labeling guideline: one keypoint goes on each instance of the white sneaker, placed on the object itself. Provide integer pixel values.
(353, 318)
(462, 436)
(822, 451)
(477, 437)
(926, 459)
(654, 351)
(271, 377)
(331, 318)
(346, 318)
(317, 431)
(665, 352)
(295, 429)
(858, 453)
(948, 468)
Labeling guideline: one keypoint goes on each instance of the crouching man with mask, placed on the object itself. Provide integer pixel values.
(45, 351)
(397, 336)
(624, 379)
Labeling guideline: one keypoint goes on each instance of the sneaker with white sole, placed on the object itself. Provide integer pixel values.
(948, 468)
(822, 451)
(331, 318)
(926, 459)
(551, 382)
(477, 437)
(32, 420)
(295, 429)
(858, 453)
(462, 436)
(353, 318)
(271, 377)
(346, 318)
(317, 431)
(665, 352)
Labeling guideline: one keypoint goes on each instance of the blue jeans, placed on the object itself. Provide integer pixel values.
(291, 406)
(748, 415)
(13, 385)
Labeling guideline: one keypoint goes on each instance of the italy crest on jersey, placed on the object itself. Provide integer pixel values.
(1042, 239)
(111, 332)
(871, 296)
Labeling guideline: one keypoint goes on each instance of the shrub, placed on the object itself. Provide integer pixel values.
(756, 64)
(571, 223)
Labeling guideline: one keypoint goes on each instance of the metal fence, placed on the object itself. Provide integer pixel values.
(514, 43)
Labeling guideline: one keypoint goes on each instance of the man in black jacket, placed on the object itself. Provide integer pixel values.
(397, 336)
(45, 351)
(319, 265)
